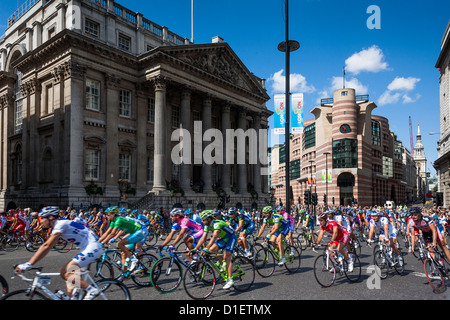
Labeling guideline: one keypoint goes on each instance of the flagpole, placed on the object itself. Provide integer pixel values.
(192, 21)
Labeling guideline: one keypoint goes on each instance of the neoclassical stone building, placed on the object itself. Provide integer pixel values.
(90, 93)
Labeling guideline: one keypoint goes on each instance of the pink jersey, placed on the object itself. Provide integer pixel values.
(193, 228)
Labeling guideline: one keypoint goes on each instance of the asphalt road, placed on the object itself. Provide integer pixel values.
(281, 286)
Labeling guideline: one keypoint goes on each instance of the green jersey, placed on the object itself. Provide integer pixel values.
(225, 231)
(125, 224)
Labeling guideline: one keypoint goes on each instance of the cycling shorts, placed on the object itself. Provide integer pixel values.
(88, 255)
(227, 244)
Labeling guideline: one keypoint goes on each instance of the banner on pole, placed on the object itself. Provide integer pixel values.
(324, 173)
(297, 113)
(280, 114)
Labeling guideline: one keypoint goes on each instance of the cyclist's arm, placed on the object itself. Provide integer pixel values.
(201, 241)
(180, 236)
(261, 230)
(320, 236)
(240, 227)
(213, 239)
(168, 239)
(43, 249)
(274, 229)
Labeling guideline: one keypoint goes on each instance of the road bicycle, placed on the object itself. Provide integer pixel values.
(109, 289)
(200, 279)
(420, 248)
(331, 263)
(435, 270)
(304, 239)
(111, 259)
(268, 256)
(385, 259)
(354, 247)
(167, 272)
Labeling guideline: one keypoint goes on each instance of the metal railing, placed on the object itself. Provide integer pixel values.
(27, 5)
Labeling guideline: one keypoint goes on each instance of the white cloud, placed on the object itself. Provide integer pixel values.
(397, 89)
(298, 83)
(337, 83)
(388, 98)
(369, 60)
(406, 84)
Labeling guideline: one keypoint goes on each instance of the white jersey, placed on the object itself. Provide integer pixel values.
(343, 221)
(74, 232)
(380, 226)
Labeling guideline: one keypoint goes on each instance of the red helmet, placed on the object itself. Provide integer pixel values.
(323, 216)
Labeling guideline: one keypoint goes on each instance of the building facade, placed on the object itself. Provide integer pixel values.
(442, 164)
(346, 154)
(90, 95)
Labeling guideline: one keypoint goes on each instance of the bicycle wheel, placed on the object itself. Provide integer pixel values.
(301, 241)
(166, 274)
(24, 295)
(33, 242)
(141, 273)
(324, 271)
(105, 270)
(12, 242)
(355, 274)
(66, 248)
(3, 285)
(356, 247)
(293, 259)
(264, 262)
(151, 239)
(434, 276)
(243, 273)
(112, 290)
(200, 280)
(400, 268)
(379, 259)
(60, 245)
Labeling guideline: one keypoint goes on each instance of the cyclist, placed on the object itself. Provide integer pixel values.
(185, 227)
(223, 237)
(430, 232)
(290, 220)
(278, 232)
(339, 237)
(387, 231)
(245, 227)
(307, 221)
(74, 232)
(131, 231)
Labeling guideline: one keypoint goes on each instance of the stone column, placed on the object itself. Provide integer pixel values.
(227, 149)
(206, 120)
(112, 136)
(159, 169)
(141, 135)
(242, 168)
(185, 115)
(257, 166)
(76, 152)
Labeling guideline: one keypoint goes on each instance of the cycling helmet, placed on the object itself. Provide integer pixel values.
(112, 210)
(415, 210)
(375, 213)
(267, 209)
(232, 210)
(188, 212)
(215, 213)
(176, 212)
(49, 211)
(322, 216)
(206, 214)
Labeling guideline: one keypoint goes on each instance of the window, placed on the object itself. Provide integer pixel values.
(388, 169)
(310, 136)
(18, 103)
(124, 166)
(125, 103)
(91, 28)
(151, 110)
(282, 156)
(51, 32)
(376, 133)
(294, 169)
(124, 42)
(175, 116)
(92, 95)
(92, 165)
(398, 155)
(345, 153)
(344, 93)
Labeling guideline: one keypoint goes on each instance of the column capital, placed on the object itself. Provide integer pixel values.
(159, 82)
(111, 80)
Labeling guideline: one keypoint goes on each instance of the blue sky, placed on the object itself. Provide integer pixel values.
(394, 64)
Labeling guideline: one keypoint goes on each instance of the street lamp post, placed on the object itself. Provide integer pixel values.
(326, 178)
(310, 186)
(287, 46)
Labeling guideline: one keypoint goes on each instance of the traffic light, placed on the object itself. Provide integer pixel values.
(325, 199)
(314, 199)
(307, 196)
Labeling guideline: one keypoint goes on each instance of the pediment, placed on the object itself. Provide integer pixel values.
(219, 61)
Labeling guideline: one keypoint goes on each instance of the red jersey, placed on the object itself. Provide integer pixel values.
(342, 232)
